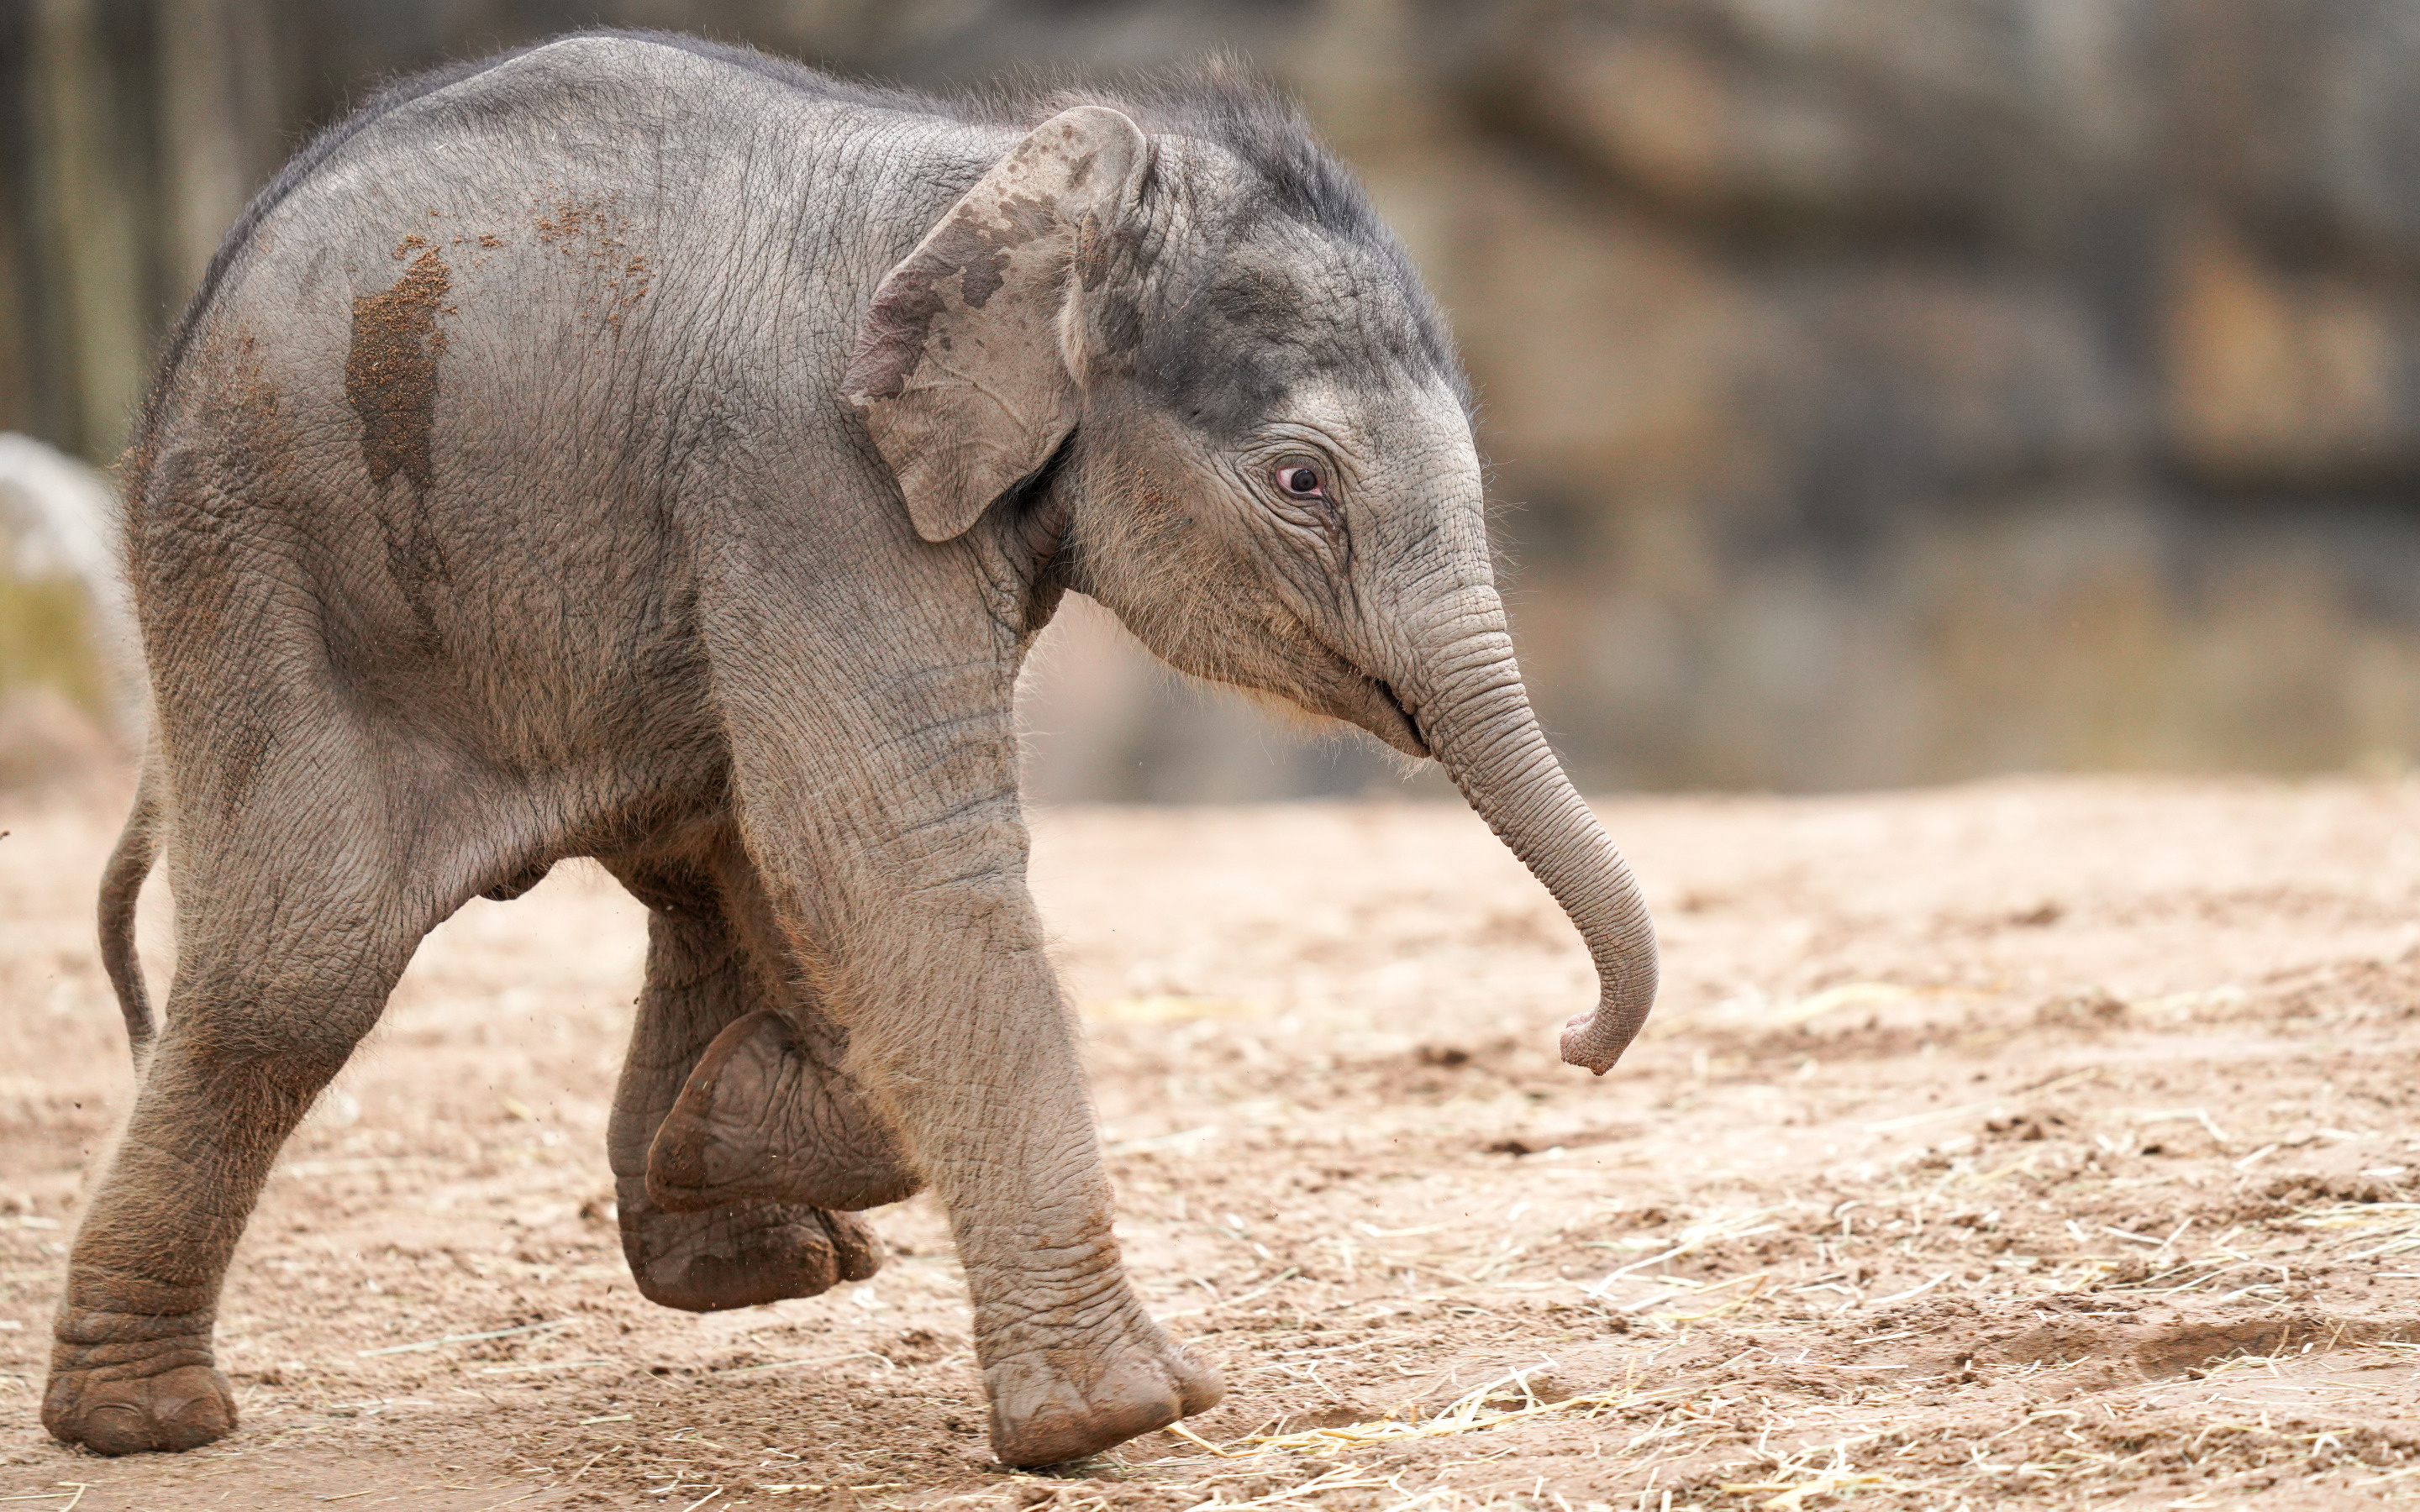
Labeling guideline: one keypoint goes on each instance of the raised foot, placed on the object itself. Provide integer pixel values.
(762, 1120)
(741, 1256)
(1053, 1405)
(180, 1408)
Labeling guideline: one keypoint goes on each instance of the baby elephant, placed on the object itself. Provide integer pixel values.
(637, 449)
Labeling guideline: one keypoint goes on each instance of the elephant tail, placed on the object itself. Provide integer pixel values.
(121, 883)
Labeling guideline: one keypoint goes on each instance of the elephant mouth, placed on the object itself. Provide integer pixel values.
(1368, 702)
(1394, 703)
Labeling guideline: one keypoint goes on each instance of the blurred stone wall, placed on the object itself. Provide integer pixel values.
(1876, 391)
(70, 698)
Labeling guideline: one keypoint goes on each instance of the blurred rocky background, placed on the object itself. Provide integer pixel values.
(1877, 391)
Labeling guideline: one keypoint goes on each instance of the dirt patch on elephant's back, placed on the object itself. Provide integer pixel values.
(2027, 1144)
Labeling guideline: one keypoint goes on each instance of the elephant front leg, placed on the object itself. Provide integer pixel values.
(874, 756)
(976, 1057)
(1072, 1363)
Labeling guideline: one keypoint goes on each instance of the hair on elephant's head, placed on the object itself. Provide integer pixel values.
(1199, 347)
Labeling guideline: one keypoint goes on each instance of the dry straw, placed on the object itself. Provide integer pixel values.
(1467, 1413)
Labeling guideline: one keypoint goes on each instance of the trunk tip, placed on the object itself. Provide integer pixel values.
(1596, 1040)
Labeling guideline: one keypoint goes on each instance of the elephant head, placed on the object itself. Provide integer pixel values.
(1199, 353)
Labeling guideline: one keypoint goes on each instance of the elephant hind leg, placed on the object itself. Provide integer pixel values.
(289, 947)
(717, 1244)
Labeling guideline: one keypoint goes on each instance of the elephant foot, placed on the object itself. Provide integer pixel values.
(1052, 1405)
(742, 1256)
(761, 1119)
(111, 1414)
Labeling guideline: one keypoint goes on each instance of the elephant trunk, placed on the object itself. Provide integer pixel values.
(1475, 716)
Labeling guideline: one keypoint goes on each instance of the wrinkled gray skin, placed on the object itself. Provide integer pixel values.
(634, 450)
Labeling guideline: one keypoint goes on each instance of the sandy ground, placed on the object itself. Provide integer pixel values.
(2027, 1143)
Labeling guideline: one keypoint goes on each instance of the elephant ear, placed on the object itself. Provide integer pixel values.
(964, 368)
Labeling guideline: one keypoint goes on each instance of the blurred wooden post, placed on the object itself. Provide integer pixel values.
(90, 195)
(219, 96)
(22, 397)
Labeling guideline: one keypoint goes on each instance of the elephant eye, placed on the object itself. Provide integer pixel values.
(1300, 479)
